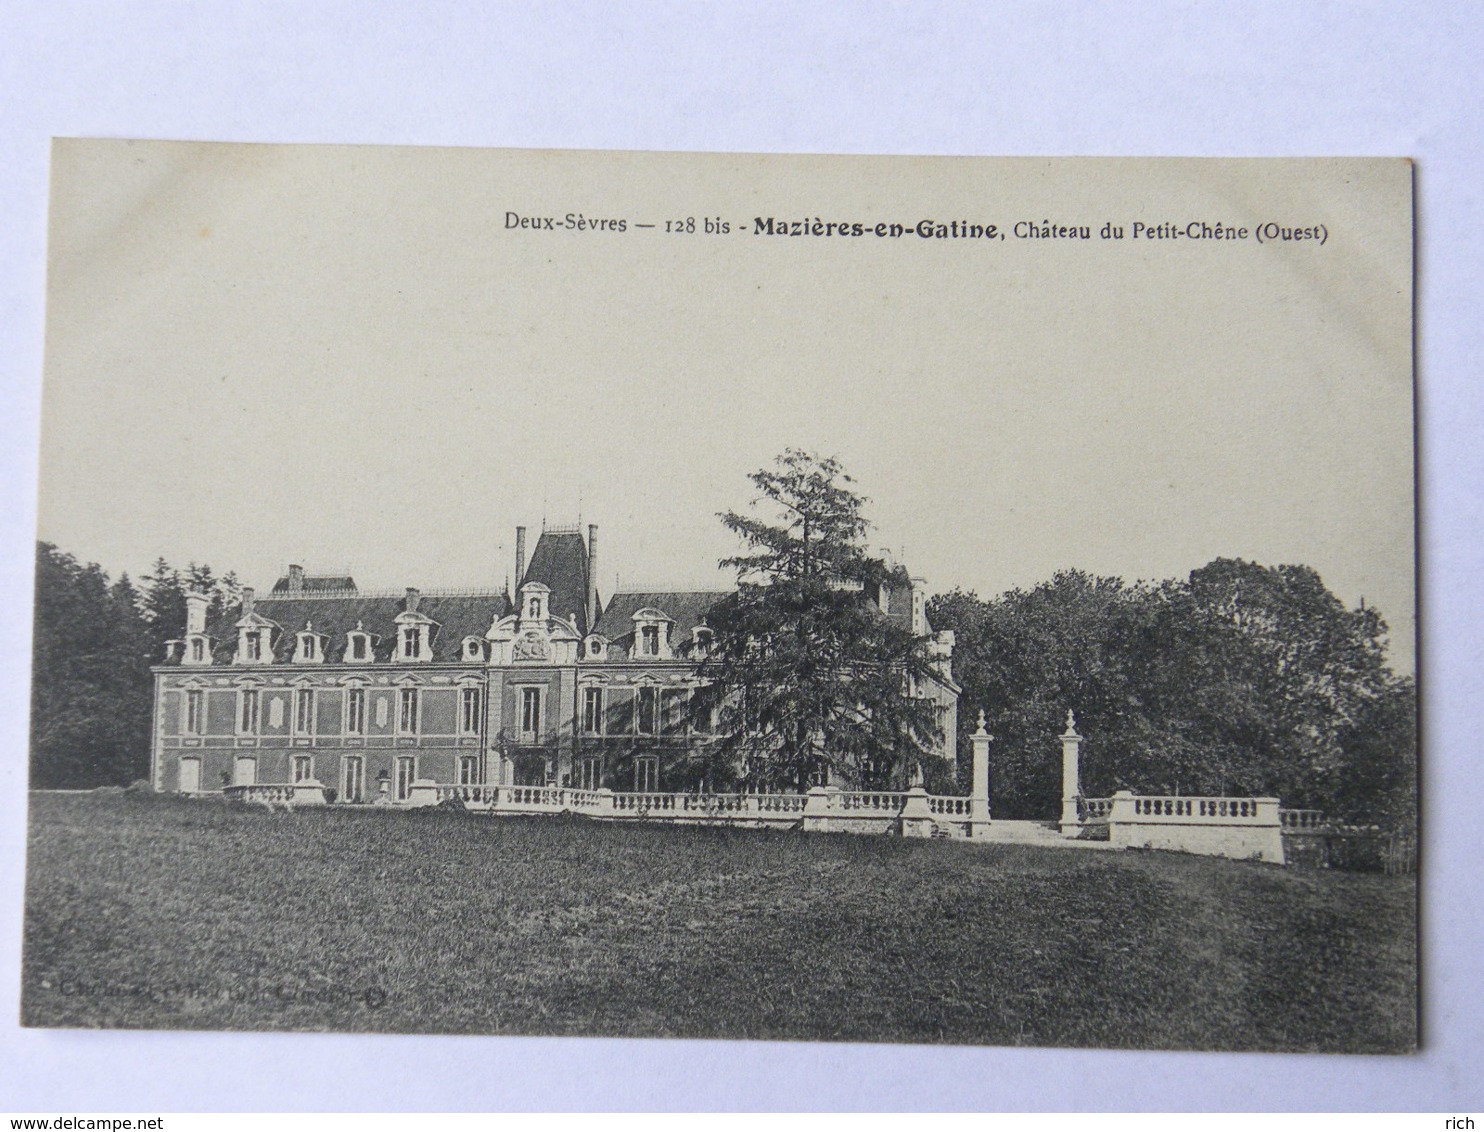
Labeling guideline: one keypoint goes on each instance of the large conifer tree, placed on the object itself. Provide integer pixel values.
(811, 678)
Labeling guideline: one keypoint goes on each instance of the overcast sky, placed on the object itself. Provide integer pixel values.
(343, 357)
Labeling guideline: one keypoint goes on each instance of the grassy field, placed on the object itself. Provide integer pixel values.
(165, 913)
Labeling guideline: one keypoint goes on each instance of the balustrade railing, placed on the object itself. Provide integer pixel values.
(951, 807)
(645, 803)
(1296, 820)
(267, 792)
(470, 795)
(874, 801)
(779, 803)
(1094, 809)
(550, 796)
(1192, 808)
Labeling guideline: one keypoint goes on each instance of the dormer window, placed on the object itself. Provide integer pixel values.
(357, 644)
(198, 650)
(596, 648)
(701, 640)
(652, 633)
(534, 599)
(252, 644)
(473, 648)
(414, 637)
(309, 646)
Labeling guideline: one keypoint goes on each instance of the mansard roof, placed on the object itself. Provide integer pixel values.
(686, 608)
(559, 562)
(315, 583)
(455, 616)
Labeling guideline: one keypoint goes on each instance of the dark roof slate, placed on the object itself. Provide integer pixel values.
(455, 617)
(559, 563)
(686, 608)
(317, 583)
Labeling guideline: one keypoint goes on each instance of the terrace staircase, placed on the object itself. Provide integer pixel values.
(1025, 832)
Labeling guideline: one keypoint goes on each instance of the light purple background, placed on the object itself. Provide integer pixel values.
(1013, 78)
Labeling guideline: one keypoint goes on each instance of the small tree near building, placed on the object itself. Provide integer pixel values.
(812, 681)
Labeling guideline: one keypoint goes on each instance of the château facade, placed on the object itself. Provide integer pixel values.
(372, 694)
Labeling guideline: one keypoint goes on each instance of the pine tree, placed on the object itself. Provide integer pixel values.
(811, 678)
(90, 685)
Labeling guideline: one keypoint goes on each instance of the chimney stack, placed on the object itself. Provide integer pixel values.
(247, 601)
(592, 576)
(413, 597)
(520, 557)
(196, 604)
(296, 579)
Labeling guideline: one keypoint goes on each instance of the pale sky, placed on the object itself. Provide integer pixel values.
(342, 357)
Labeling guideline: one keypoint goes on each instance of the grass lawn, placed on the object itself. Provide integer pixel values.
(167, 913)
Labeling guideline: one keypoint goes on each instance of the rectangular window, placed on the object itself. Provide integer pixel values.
(357, 647)
(407, 716)
(308, 648)
(646, 774)
(195, 712)
(304, 712)
(530, 711)
(355, 711)
(648, 708)
(198, 649)
(254, 643)
(651, 635)
(353, 780)
(303, 768)
(703, 709)
(469, 711)
(409, 644)
(468, 771)
(592, 711)
(406, 772)
(589, 773)
(247, 719)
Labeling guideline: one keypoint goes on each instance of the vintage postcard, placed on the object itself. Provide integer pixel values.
(726, 596)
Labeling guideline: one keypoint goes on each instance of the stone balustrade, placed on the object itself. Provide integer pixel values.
(1296, 820)
(950, 807)
(278, 793)
(469, 795)
(875, 801)
(1245, 828)
(1094, 811)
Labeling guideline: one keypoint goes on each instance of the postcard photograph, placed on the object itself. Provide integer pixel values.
(926, 600)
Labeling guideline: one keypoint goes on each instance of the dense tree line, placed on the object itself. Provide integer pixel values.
(1238, 679)
(93, 645)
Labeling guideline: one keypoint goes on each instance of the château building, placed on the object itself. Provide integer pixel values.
(371, 693)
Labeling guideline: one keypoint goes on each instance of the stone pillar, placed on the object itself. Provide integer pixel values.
(1071, 783)
(1269, 831)
(916, 817)
(817, 809)
(979, 795)
(309, 792)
